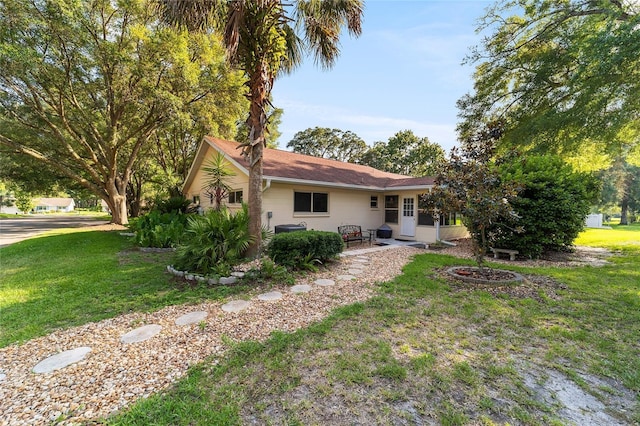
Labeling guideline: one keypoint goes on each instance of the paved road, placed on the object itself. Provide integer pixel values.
(14, 230)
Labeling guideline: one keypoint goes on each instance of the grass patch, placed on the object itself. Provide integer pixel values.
(73, 277)
(618, 237)
(420, 351)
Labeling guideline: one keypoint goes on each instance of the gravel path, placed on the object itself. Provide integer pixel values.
(114, 374)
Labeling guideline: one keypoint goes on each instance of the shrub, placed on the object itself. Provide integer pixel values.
(157, 229)
(552, 205)
(297, 249)
(177, 204)
(214, 242)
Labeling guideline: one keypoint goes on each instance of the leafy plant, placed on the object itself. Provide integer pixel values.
(157, 229)
(214, 241)
(470, 184)
(551, 206)
(217, 171)
(177, 204)
(300, 250)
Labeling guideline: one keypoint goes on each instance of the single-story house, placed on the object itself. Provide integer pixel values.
(324, 194)
(47, 205)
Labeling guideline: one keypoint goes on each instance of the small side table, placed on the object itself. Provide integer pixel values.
(372, 233)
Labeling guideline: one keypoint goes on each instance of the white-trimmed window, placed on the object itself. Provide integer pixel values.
(391, 203)
(374, 202)
(310, 202)
(235, 197)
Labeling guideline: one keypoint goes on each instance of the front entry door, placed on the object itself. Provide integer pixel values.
(408, 225)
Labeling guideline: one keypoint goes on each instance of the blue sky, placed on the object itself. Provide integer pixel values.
(403, 73)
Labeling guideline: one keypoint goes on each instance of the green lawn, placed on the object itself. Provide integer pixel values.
(432, 350)
(69, 278)
(423, 349)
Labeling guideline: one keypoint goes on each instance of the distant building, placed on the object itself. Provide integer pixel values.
(51, 205)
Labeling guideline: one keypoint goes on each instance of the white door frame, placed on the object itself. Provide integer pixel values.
(408, 224)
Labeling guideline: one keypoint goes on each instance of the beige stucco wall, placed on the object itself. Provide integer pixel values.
(346, 207)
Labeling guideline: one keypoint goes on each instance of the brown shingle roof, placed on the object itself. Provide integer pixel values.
(290, 165)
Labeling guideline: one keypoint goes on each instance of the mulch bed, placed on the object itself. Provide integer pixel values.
(537, 287)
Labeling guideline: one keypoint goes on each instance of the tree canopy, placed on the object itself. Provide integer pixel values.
(405, 153)
(559, 75)
(85, 85)
(329, 143)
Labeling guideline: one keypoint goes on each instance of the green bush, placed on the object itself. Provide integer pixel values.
(214, 242)
(157, 229)
(552, 205)
(298, 249)
(177, 204)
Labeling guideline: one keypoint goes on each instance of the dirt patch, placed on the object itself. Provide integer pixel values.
(575, 404)
(489, 276)
(538, 287)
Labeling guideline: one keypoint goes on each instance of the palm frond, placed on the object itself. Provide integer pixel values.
(323, 21)
(195, 15)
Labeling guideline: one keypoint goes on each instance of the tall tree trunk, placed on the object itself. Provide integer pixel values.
(624, 211)
(117, 201)
(260, 85)
(255, 201)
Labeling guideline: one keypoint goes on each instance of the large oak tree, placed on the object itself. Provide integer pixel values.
(84, 86)
(559, 75)
(329, 143)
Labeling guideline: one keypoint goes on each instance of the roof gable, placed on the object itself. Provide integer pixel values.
(291, 166)
(54, 202)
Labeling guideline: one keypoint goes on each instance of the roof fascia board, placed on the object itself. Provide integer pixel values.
(195, 164)
(407, 188)
(345, 185)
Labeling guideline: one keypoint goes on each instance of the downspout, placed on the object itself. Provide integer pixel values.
(267, 186)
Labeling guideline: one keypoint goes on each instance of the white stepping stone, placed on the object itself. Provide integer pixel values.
(2, 376)
(272, 295)
(357, 260)
(301, 288)
(236, 306)
(141, 334)
(354, 271)
(61, 360)
(323, 282)
(191, 318)
(346, 277)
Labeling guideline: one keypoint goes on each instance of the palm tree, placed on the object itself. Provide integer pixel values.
(266, 38)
